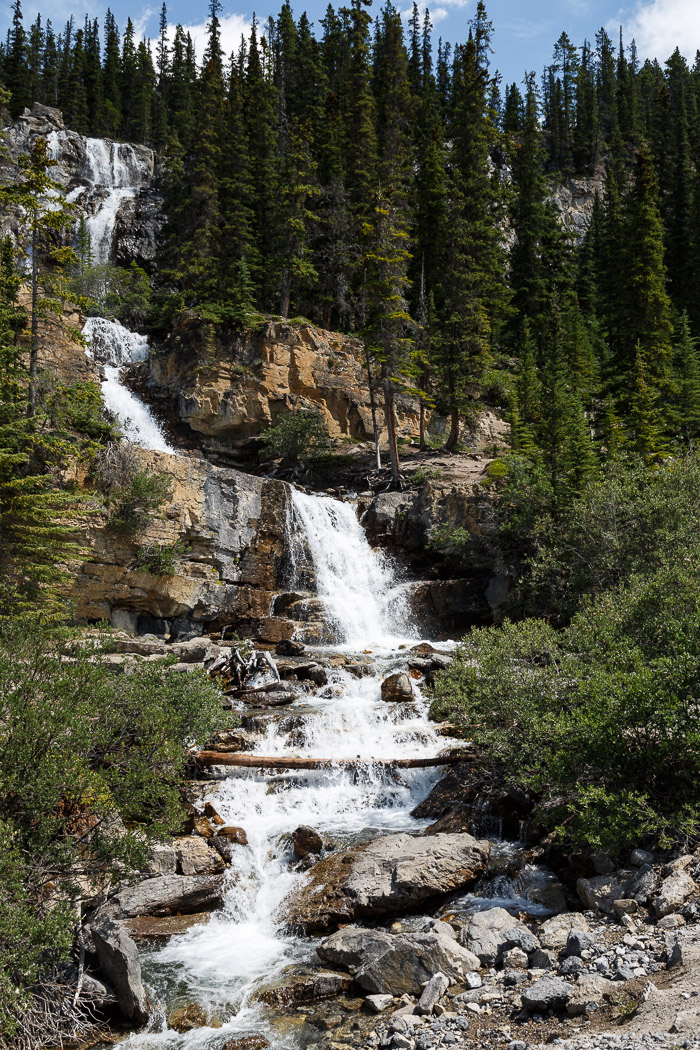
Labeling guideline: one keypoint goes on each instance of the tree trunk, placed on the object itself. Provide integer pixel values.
(453, 436)
(285, 297)
(373, 406)
(391, 427)
(227, 758)
(421, 428)
(34, 345)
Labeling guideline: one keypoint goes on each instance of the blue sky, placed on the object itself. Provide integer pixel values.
(524, 30)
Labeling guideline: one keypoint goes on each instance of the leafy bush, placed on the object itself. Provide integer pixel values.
(134, 494)
(78, 407)
(160, 559)
(297, 438)
(599, 722)
(116, 292)
(90, 769)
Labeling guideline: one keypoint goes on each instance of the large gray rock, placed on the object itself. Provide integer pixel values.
(644, 884)
(119, 962)
(589, 988)
(554, 933)
(196, 857)
(674, 892)
(394, 964)
(488, 933)
(549, 993)
(601, 892)
(353, 945)
(167, 895)
(411, 960)
(382, 877)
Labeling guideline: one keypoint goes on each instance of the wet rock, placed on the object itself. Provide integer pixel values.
(236, 836)
(397, 688)
(166, 895)
(388, 874)
(674, 891)
(554, 932)
(306, 841)
(289, 648)
(549, 993)
(119, 961)
(432, 993)
(246, 1042)
(202, 826)
(589, 989)
(411, 960)
(304, 988)
(196, 857)
(186, 1018)
(264, 697)
(155, 928)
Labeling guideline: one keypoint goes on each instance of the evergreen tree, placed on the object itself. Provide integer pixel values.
(17, 75)
(688, 373)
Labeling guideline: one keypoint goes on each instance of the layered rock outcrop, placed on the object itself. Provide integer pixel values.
(233, 527)
(232, 390)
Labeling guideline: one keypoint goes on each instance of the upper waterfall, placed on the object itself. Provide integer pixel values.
(114, 345)
(364, 600)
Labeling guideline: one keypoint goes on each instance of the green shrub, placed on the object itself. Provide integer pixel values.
(134, 494)
(599, 722)
(91, 767)
(297, 438)
(161, 559)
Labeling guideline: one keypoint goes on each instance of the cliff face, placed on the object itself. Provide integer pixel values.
(232, 390)
(233, 527)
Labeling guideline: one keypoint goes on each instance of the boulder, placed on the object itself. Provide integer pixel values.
(196, 857)
(488, 933)
(554, 933)
(352, 945)
(162, 860)
(119, 962)
(236, 836)
(186, 1018)
(162, 928)
(303, 988)
(674, 891)
(306, 841)
(578, 941)
(167, 895)
(397, 688)
(379, 1003)
(600, 892)
(411, 960)
(518, 936)
(549, 993)
(387, 875)
(643, 885)
(589, 988)
(432, 993)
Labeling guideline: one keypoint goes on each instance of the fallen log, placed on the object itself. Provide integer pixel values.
(227, 758)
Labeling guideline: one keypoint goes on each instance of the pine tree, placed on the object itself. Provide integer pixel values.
(644, 418)
(388, 323)
(17, 75)
(688, 373)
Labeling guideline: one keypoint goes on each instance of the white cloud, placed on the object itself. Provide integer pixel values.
(660, 26)
(233, 26)
(437, 14)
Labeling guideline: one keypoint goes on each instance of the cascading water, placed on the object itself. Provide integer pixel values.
(114, 345)
(363, 599)
(222, 964)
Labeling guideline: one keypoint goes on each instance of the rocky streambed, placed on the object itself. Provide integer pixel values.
(335, 886)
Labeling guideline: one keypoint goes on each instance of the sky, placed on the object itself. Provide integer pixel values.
(524, 30)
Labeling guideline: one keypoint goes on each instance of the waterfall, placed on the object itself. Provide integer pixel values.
(364, 601)
(109, 173)
(114, 345)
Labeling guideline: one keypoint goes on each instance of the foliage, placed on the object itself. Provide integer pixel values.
(598, 721)
(132, 506)
(298, 438)
(90, 770)
(161, 559)
(115, 292)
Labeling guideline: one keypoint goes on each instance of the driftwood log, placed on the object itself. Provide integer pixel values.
(226, 758)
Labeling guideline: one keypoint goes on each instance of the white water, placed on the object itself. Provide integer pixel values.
(363, 599)
(220, 965)
(114, 345)
(112, 172)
